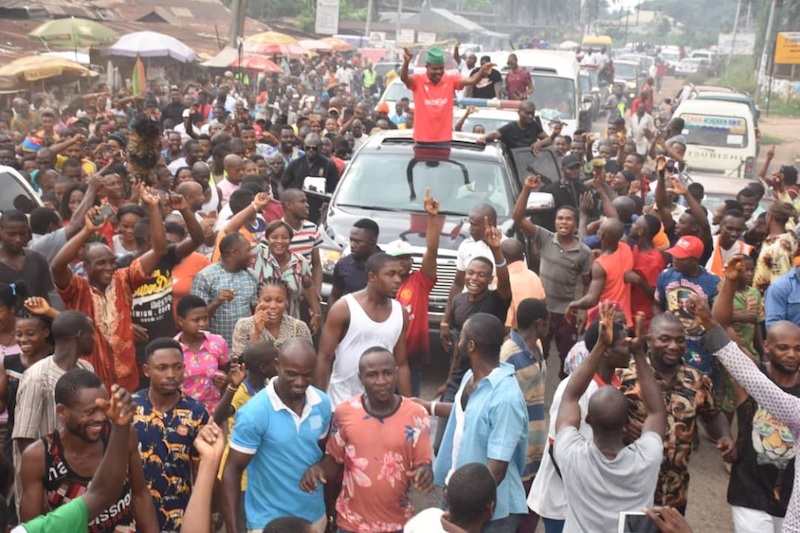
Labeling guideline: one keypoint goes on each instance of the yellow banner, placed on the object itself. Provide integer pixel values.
(42, 73)
(787, 48)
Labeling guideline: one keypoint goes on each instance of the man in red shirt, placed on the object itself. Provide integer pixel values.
(414, 293)
(433, 95)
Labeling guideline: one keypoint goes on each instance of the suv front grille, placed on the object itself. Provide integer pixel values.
(445, 273)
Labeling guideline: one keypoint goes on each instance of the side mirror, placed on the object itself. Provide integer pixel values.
(540, 201)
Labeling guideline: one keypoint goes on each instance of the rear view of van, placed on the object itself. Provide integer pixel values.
(720, 137)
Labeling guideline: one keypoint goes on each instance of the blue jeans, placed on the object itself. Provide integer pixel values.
(508, 524)
(553, 526)
(416, 381)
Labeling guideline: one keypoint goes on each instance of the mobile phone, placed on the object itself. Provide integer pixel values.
(636, 522)
(106, 212)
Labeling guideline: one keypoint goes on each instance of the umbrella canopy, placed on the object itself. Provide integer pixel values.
(36, 68)
(569, 45)
(316, 45)
(271, 37)
(256, 62)
(151, 44)
(270, 43)
(338, 44)
(73, 33)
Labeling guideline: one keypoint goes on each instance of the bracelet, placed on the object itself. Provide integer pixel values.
(501, 265)
(432, 410)
(232, 390)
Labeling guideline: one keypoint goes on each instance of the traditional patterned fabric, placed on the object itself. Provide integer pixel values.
(774, 260)
(290, 328)
(266, 266)
(200, 367)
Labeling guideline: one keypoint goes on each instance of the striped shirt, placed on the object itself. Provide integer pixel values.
(530, 371)
(212, 279)
(305, 239)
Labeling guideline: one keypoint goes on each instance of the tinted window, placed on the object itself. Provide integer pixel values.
(380, 181)
(12, 194)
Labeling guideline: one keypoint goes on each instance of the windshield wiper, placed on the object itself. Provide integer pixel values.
(441, 212)
(371, 207)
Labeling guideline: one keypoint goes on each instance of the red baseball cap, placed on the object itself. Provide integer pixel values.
(687, 247)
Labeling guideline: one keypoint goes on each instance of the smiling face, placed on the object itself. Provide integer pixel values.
(84, 418)
(279, 240)
(667, 342)
(477, 277)
(31, 335)
(100, 265)
(274, 300)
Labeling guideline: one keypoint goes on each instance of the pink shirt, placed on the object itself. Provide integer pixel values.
(226, 188)
(200, 367)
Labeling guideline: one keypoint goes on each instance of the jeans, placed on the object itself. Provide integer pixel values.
(553, 526)
(508, 524)
(416, 381)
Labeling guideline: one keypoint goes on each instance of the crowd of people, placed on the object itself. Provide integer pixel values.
(166, 354)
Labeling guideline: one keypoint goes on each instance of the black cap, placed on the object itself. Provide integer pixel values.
(570, 161)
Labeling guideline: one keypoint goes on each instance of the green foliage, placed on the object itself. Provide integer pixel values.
(740, 75)
(780, 108)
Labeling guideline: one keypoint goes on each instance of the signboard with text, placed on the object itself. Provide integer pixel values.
(787, 48)
(327, 22)
(405, 37)
(745, 44)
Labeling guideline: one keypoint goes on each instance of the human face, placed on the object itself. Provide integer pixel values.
(565, 223)
(512, 61)
(250, 168)
(47, 124)
(783, 347)
(100, 265)
(730, 230)
(378, 373)
(667, 343)
(205, 148)
(632, 164)
(175, 96)
(174, 141)
(620, 184)
(685, 225)
(331, 126)
(73, 173)
(31, 336)
(261, 165)
(299, 207)
(184, 175)
(275, 302)
(127, 223)
(477, 225)
(276, 166)
(686, 266)
(195, 321)
(7, 157)
(527, 112)
(295, 374)
(749, 205)
(14, 236)
(75, 198)
(560, 145)
(327, 147)
(112, 186)
(477, 277)
(387, 281)
(605, 151)
(165, 369)
(571, 173)
(639, 228)
(279, 241)
(242, 254)
(312, 149)
(44, 160)
(406, 264)
(362, 242)
(249, 138)
(235, 171)
(84, 418)
(287, 140)
(435, 72)
(316, 127)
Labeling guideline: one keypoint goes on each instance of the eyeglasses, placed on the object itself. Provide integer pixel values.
(311, 148)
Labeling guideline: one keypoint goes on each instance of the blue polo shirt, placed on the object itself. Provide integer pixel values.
(782, 299)
(282, 445)
(495, 426)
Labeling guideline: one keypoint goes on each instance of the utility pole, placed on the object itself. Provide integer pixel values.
(399, 17)
(735, 30)
(762, 67)
(238, 13)
(369, 20)
(627, 16)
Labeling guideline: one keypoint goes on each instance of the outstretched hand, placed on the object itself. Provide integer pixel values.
(734, 269)
(120, 407)
(607, 311)
(493, 236)
(637, 342)
(407, 55)
(431, 204)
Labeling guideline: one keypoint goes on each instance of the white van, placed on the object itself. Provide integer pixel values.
(720, 137)
(556, 90)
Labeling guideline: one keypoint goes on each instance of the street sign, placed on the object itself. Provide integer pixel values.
(405, 37)
(327, 22)
(787, 48)
(744, 45)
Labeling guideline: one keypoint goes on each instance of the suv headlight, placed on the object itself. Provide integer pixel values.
(329, 257)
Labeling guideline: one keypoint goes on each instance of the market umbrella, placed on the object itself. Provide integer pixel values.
(339, 45)
(256, 62)
(73, 33)
(316, 45)
(35, 68)
(151, 44)
(274, 43)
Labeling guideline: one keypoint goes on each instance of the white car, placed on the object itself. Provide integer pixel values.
(16, 192)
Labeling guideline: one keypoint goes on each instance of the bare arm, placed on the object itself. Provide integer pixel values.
(144, 511)
(240, 219)
(196, 235)
(210, 443)
(335, 328)
(33, 474)
(652, 395)
(62, 274)
(400, 352)
(404, 68)
(519, 214)
(316, 269)
(592, 296)
(158, 237)
(498, 469)
(481, 73)
(662, 203)
(428, 267)
(78, 216)
(232, 487)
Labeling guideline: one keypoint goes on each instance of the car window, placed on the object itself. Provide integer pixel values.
(13, 195)
(554, 97)
(380, 181)
(715, 130)
(396, 91)
(625, 71)
(489, 124)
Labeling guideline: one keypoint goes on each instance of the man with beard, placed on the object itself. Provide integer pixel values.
(174, 109)
(688, 396)
(361, 320)
(83, 438)
(376, 425)
(167, 422)
(433, 95)
(764, 470)
(306, 238)
(278, 435)
(311, 164)
(191, 155)
(286, 147)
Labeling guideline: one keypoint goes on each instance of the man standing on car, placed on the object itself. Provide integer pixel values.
(433, 95)
(526, 131)
(488, 87)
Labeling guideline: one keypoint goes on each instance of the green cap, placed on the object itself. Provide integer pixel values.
(435, 56)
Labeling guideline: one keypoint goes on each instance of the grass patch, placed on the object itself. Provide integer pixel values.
(779, 108)
(740, 75)
(769, 140)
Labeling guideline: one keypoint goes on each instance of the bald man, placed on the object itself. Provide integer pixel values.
(602, 476)
(608, 272)
(312, 164)
(524, 283)
(234, 172)
(193, 193)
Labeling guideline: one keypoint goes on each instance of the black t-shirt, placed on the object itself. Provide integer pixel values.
(13, 368)
(485, 87)
(35, 273)
(300, 169)
(173, 112)
(151, 305)
(463, 308)
(515, 137)
(762, 476)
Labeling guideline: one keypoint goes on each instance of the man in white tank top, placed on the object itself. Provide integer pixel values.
(359, 321)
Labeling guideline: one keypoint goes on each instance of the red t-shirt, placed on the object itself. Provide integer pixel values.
(414, 295)
(616, 289)
(648, 265)
(433, 107)
(517, 83)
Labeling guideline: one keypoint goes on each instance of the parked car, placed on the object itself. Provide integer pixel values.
(394, 92)
(739, 98)
(689, 66)
(671, 59)
(629, 73)
(16, 192)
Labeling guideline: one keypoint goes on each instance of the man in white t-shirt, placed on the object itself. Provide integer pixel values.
(603, 477)
(470, 494)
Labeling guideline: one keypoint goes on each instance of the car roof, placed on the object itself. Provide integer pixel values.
(703, 107)
(625, 62)
(724, 97)
(461, 141)
(713, 88)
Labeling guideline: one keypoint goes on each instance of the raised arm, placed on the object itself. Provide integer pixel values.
(494, 238)
(460, 124)
(520, 207)
(456, 55)
(407, 55)
(196, 235)
(652, 395)
(723, 304)
(240, 219)
(76, 222)
(481, 73)
(428, 267)
(62, 274)
(679, 189)
(209, 443)
(762, 173)
(662, 202)
(158, 237)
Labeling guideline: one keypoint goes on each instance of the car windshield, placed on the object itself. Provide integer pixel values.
(489, 124)
(396, 91)
(379, 181)
(668, 56)
(554, 97)
(625, 71)
(13, 195)
(715, 130)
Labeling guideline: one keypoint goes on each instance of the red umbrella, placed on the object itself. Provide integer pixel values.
(256, 62)
(270, 49)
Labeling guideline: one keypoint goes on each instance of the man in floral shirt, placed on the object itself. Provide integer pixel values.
(382, 443)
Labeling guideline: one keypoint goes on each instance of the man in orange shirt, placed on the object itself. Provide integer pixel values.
(524, 283)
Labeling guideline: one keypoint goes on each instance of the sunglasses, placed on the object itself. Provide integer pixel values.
(311, 148)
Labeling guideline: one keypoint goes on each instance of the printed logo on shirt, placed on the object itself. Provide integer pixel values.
(772, 440)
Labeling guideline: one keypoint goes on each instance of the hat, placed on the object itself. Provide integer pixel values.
(186, 113)
(228, 74)
(398, 248)
(570, 160)
(333, 110)
(383, 107)
(119, 138)
(687, 247)
(435, 56)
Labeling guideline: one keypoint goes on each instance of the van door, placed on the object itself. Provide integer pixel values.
(720, 143)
